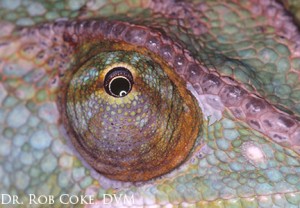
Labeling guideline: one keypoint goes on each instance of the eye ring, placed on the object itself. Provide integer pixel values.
(118, 82)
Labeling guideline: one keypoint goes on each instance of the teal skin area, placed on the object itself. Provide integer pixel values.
(256, 43)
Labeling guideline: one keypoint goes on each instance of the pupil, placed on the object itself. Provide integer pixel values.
(120, 86)
(118, 82)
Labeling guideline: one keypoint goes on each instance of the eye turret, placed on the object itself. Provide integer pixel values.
(129, 116)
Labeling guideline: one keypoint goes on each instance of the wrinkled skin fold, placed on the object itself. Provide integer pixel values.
(247, 154)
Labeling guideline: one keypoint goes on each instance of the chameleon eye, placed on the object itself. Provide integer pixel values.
(128, 115)
(118, 82)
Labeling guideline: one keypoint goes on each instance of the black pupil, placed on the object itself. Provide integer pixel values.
(118, 82)
(120, 86)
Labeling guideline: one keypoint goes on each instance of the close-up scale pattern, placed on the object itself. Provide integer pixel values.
(176, 103)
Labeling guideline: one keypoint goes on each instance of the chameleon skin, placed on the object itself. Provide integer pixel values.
(135, 137)
(227, 37)
(294, 8)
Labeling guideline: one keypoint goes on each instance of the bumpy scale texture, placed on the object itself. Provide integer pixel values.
(240, 59)
(137, 137)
